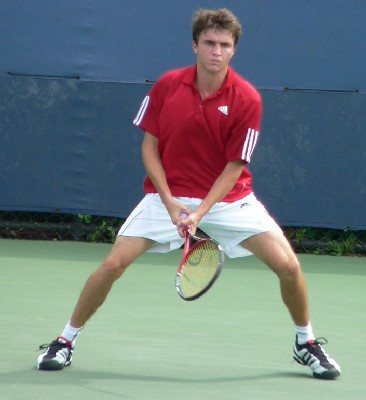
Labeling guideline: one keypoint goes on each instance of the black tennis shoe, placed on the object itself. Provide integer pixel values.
(313, 355)
(58, 354)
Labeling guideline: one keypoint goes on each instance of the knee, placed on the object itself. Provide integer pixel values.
(289, 269)
(113, 268)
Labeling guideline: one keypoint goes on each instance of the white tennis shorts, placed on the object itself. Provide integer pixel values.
(228, 223)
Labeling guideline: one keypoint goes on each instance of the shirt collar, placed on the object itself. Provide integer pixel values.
(190, 77)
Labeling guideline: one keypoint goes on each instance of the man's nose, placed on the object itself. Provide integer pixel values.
(217, 49)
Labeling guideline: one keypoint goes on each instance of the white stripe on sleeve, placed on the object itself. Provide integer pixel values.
(249, 144)
(141, 111)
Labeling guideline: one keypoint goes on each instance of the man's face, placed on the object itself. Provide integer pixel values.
(214, 50)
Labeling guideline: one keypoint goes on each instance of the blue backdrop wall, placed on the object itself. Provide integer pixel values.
(72, 75)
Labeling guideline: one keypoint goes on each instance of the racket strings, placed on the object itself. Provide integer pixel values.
(200, 268)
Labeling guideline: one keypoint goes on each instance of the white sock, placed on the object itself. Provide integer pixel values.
(304, 333)
(69, 332)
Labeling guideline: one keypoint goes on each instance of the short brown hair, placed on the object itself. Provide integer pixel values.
(221, 19)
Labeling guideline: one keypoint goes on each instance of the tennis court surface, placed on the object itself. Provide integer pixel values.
(146, 343)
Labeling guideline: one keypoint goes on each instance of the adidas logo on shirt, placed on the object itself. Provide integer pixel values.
(224, 109)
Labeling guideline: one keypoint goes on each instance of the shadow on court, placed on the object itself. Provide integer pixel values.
(35, 377)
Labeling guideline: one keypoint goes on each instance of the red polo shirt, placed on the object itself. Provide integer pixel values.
(198, 137)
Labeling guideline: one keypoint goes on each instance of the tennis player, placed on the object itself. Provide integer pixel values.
(201, 124)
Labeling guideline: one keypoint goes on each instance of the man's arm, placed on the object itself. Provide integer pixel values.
(155, 171)
(223, 184)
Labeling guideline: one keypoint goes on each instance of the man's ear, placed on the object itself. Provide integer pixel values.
(233, 53)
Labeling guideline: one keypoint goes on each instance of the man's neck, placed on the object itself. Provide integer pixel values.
(209, 83)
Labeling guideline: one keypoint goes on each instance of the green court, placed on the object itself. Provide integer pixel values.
(146, 343)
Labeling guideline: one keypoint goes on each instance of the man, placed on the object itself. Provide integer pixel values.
(201, 125)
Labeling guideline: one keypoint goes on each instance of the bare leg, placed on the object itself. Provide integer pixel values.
(275, 251)
(124, 252)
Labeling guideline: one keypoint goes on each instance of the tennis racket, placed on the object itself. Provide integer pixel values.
(201, 264)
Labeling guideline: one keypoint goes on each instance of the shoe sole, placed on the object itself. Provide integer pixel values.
(52, 366)
(329, 375)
